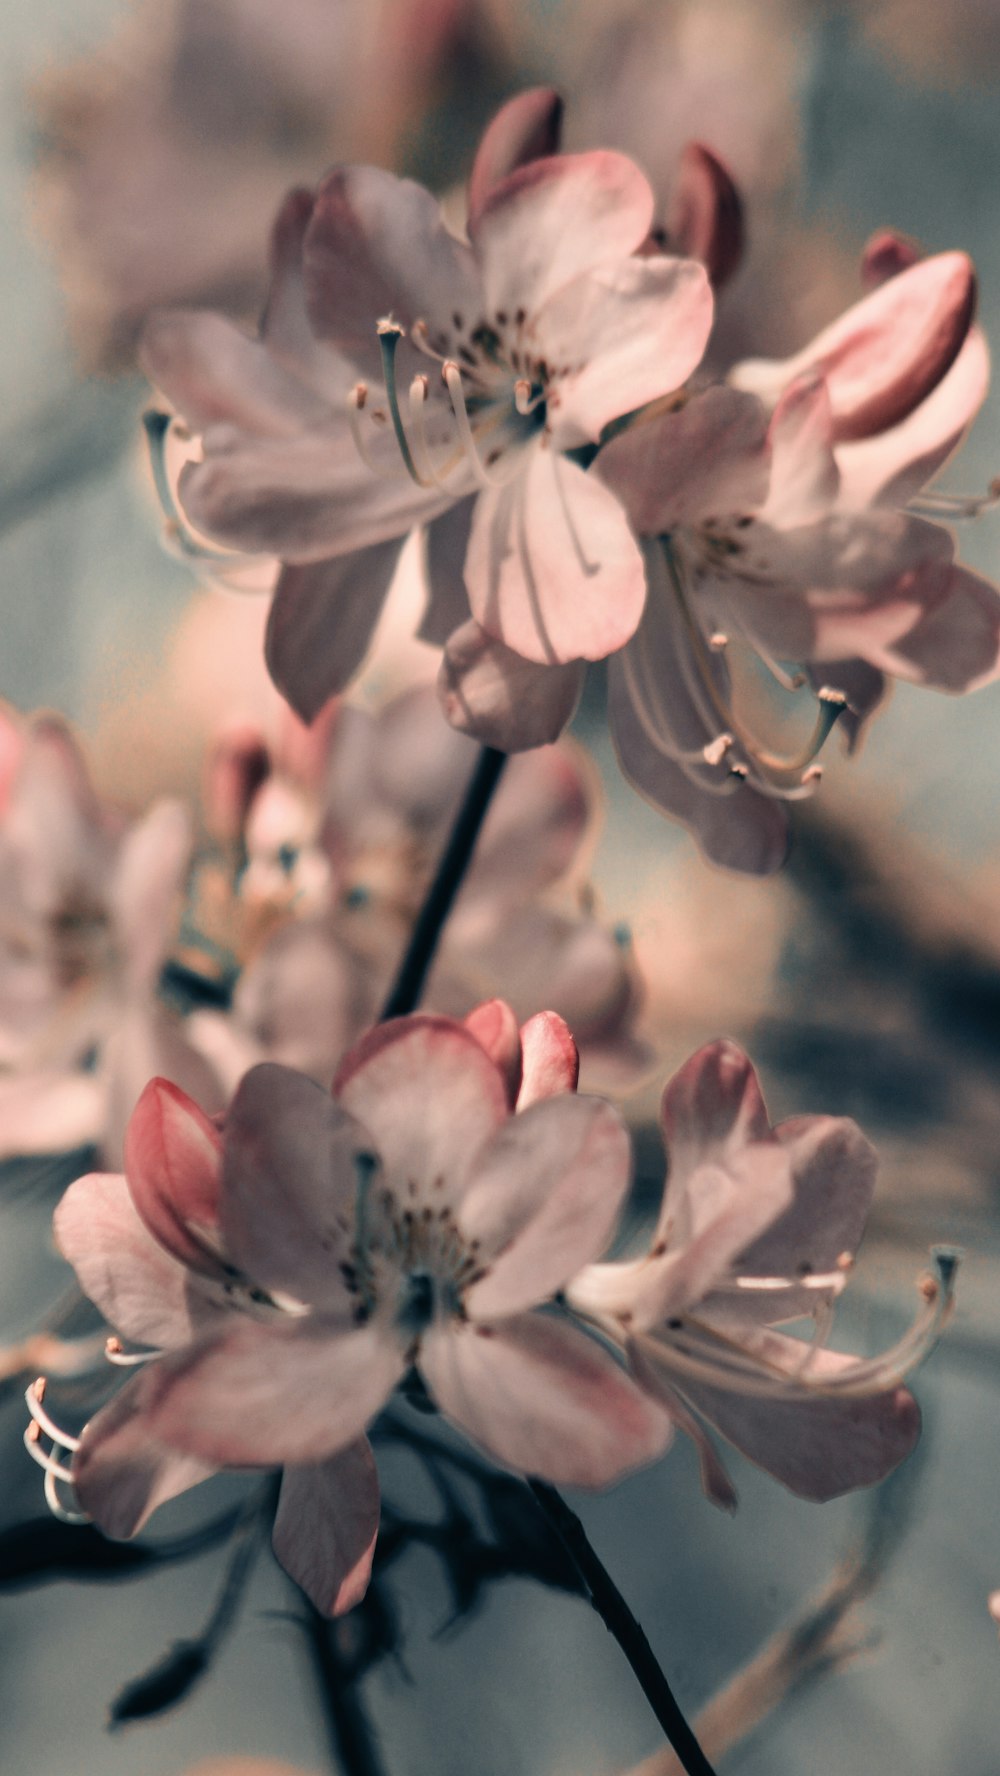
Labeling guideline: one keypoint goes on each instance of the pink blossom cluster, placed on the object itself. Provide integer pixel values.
(276, 1274)
(532, 396)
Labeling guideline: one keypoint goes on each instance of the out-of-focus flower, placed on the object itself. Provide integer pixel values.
(403, 376)
(292, 1270)
(244, 1766)
(89, 915)
(165, 156)
(759, 1227)
(335, 852)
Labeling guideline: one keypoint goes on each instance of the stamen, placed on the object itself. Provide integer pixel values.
(524, 400)
(389, 335)
(34, 1396)
(452, 377)
(421, 451)
(60, 1511)
(356, 400)
(115, 1353)
(45, 1460)
(957, 505)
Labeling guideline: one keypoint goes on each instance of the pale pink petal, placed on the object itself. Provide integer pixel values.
(499, 698)
(710, 1110)
(550, 1059)
(326, 1527)
(152, 866)
(290, 1172)
(886, 353)
(544, 1399)
(891, 468)
(833, 1169)
(377, 246)
(707, 457)
(173, 1163)
(150, 1040)
(304, 999)
(804, 475)
(445, 543)
(818, 1448)
(121, 1473)
(715, 1481)
(526, 128)
(552, 221)
(50, 1111)
(285, 326)
(620, 337)
(142, 1290)
(567, 962)
(543, 1200)
(553, 569)
(886, 253)
(322, 620)
(211, 372)
(955, 643)
(725, 1209)
(12, 744)
(263, 1394)
(431, 1097)
(494, 1025)
(303, 498)
(705, 216)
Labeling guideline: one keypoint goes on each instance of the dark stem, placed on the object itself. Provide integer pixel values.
(409, 983)
(349, 1731)
(619, 1621)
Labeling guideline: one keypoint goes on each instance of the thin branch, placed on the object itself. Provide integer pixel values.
(351, 1737)
(619, 1621)
(413, 969)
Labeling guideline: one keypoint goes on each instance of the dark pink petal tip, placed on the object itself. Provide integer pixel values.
(705, 220)
(528, 127)
(173, 1165)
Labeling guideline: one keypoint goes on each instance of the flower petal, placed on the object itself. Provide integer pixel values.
(173, 1163)
(886, 353)
(705, 217)
(50, 1111)
(892, 467)
(544, 1399)
(553, 220)
(289, 1184)
(121, 1473)
(326, 1527)
(553, 569)
(150, 875)
(430, 1096)
(322, 620)
(551, 1060)
(211, 372)
(526, 128)
(377, 246)
(804, 476)
(708, 456)
(264, 1394)
(620, 337)
(818, 1448)
(445, 543)
(501, 699)
(143, 1291)
(494, 1025)
(710, 1110)
(955, 644)
(543, 1200)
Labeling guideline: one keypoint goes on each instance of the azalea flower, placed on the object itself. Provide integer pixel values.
(89, 916)
(332, 835)
(783, 533)
(758, 1227)
(404, 376)
(291, 1271)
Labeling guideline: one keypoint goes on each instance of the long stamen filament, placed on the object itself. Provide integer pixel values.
(452, 377)
(957, 505)
(34, 1396)
(389, 335)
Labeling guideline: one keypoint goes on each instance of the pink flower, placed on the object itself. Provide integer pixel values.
(403, 375)
(89, 915)
(293, 1269)
(782, 533)
(759, 1226)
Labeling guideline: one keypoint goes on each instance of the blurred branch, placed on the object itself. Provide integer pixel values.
(823, 1639)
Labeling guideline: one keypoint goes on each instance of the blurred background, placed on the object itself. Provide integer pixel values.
(142, 153)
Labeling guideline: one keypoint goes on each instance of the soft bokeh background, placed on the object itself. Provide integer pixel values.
(867, 980)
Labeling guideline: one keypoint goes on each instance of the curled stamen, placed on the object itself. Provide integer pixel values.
(34, 1396)
(525, 400)
(44, 1458)
(63, 1513)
